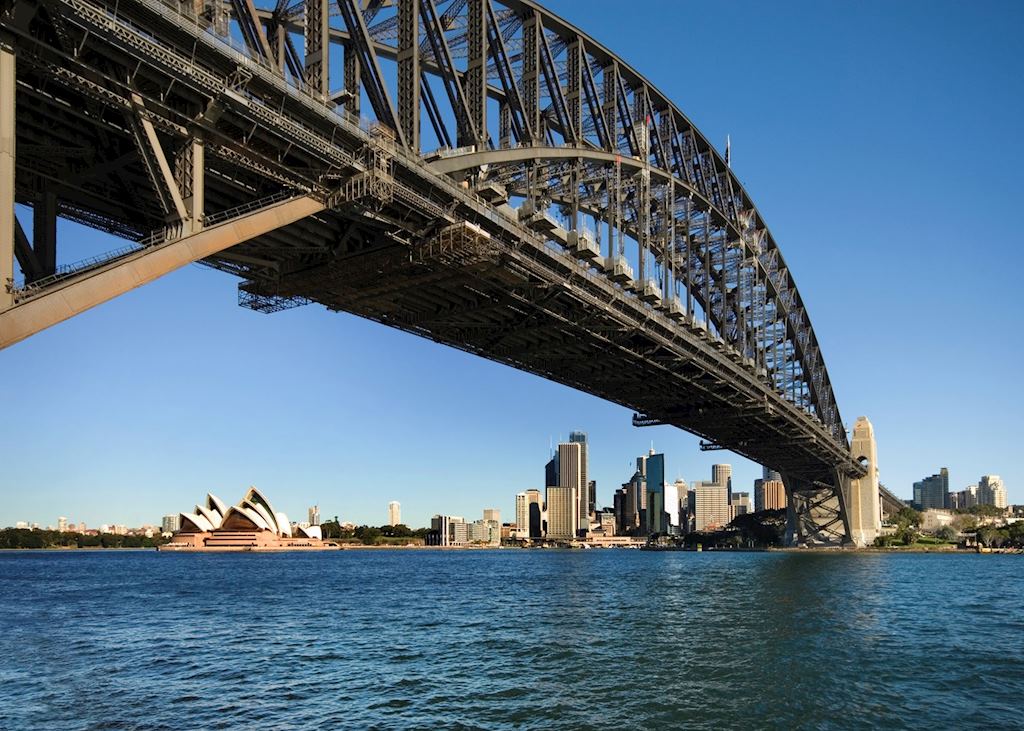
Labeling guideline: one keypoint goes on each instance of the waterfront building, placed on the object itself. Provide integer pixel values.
(992, 491)
(169, 524)
(81, 526)
(394, 513)
(933, 518)
(62, 524)
(21, 525)
(710, 506)
(522, 515)
(251, 525)
(586, 507)
(740, 504)
(478, 532)
(563, 515)
(449, 530)
(529, 507)
(656, 517)
(932, 492)
(607, 523)
(313, 515)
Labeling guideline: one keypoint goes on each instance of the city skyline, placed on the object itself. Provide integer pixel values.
(312, 445)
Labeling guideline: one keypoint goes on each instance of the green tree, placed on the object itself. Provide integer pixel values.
(947, 533)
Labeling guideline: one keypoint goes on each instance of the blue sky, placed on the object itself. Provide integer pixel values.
(881, 143)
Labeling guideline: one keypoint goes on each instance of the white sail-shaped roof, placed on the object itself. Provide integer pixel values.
(192, 523)
(215, 503)
(240, 518)
(211, 515)
(259, 500)
(283, 526)
(261, 511)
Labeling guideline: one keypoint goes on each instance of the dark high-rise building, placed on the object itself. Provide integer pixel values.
(932, 492)
(551, 471)
(619, 508)
(592, 496)
(631, 496)
(657, 519)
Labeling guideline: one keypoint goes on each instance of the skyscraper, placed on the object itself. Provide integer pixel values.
(563, 513)
(492, 515)
(570, 474)
(62, 524)
(769, 495)
(932, 492)
(768, 474)
(740, 503)
(711, 506)
(721, 474)
(656, 517)
(992, 491)
(528, 510)
(551, 471)
(586, 507)
(170, 523)
(394, 513)
(314, 515)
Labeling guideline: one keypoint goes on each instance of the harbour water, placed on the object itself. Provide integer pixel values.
(510, 639)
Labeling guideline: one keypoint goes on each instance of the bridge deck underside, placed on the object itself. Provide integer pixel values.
(491, 302)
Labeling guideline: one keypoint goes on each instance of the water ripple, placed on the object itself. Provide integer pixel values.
(509, 639)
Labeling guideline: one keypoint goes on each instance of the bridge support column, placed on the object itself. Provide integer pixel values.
(816, 513)
(7, 220)
(44, 233)
(76, 294)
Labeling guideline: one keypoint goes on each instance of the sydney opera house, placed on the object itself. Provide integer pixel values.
(251, 525)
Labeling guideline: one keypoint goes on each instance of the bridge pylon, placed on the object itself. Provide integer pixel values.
(817, 512)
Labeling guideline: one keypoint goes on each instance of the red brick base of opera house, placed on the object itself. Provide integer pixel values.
(243, 541)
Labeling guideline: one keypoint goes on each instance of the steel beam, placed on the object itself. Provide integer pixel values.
(317, 46)
(476, 71)
(66, 299)
(30, 266)
(409, 71)
(7, 220)
(44, 233)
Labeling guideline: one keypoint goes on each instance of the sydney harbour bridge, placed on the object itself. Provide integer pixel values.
(476, 172)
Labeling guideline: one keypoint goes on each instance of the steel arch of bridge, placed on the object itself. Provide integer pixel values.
(513, 165)
(566, 102)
